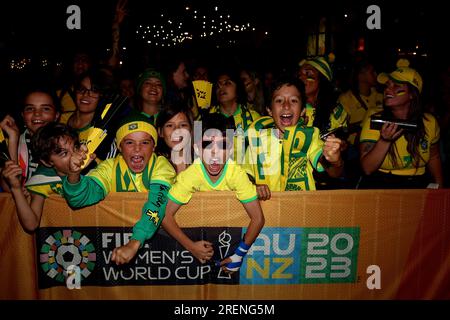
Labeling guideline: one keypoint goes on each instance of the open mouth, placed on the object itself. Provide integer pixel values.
(214, 166)
(38, 122)
(137, 163)
(286, 119)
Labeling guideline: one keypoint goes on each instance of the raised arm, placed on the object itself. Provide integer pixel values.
(29, 214)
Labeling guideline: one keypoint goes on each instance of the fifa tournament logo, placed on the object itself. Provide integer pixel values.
(68, 256)
(224, 241)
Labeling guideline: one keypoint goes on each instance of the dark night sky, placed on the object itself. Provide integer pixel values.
(39, 27)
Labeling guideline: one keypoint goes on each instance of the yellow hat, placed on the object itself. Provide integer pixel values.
(135, 123)
(402, 74)
(320, 64)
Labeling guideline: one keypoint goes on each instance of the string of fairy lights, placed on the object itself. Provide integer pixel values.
(196, 24)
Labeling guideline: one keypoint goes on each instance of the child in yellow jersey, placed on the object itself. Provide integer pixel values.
(136, 169)
(282, 152)
(214, 172)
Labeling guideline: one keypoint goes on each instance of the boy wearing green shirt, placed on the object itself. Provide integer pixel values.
(136, 169)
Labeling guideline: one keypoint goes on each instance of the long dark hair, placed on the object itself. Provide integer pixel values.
(169, 111)
(325, 103)
(413, 138)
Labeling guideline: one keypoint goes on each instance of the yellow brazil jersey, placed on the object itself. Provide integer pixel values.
(241, 119)
(355, 110)
(67, 103)
(338, 117)
(405, 166)
(195, 178)
(114, 176)
(64, 118)
(283, 163)
(45, 182)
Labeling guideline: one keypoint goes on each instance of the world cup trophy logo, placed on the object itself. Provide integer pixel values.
(224, 241)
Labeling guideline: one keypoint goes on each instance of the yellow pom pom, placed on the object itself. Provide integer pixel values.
(402, 63)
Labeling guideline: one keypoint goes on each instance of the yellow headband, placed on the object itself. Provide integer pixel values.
(136, 126)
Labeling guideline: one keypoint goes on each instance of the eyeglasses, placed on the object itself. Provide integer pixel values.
(221, 144)
(93, 92)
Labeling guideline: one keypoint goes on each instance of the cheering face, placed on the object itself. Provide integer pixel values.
(175, 129)
(215, 151)
(226, 89)
(396, 94)
(60, 158)
(136, 149)
(152, 91)
(87, 96)
(310, 77)
(38, 111)
(286, 106)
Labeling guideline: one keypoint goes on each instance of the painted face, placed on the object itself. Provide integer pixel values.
(181, 77)
(60, 159)
(310, 77)
(136, 149)
(396, 94)
(286, 106)
(87, 96)
(152, 90)
(226, 89)
(215, 151)
(38, 111)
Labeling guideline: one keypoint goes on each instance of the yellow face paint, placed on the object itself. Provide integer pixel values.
(400, 93)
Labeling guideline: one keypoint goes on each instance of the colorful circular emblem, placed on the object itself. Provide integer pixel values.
(62, 249)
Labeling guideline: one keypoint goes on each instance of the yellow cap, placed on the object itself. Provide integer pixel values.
(136, 123)
(403, 74)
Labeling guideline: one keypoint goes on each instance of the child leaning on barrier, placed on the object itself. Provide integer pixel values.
(283, 152)
(52, 146)
(136, 169)
(214, 171)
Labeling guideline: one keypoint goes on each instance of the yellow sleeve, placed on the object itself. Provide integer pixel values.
(163, 172)
(367, 134)
(435, 130)
(240, 183)
(183, 189)
(42, 190)
(103, 174)
(339, 117)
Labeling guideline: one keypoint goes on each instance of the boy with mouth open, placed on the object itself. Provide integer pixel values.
(136, 169)
(283, 152)
(214, 171)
